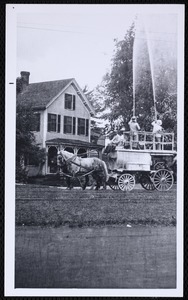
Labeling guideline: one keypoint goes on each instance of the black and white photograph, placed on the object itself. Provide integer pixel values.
(94, 150)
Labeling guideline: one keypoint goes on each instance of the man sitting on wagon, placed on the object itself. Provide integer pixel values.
(117, 139)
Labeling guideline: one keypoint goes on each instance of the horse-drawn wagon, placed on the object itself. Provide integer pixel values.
(143, 161)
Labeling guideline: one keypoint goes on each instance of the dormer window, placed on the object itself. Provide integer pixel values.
(70, 101)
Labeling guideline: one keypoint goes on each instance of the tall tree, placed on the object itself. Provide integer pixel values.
(117, 85)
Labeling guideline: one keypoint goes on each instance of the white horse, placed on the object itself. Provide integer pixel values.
(77, 166)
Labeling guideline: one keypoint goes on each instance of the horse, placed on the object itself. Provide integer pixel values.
(77, 166)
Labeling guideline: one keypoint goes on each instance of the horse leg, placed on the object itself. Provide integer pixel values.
(104, 185)
(86, 182)
(68, 182)
(98, 184)
(95, 182)
(80, 182)
(93, 185)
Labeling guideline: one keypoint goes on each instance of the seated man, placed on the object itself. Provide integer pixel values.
(114, 142)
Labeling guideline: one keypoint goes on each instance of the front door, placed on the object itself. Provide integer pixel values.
(52, 159)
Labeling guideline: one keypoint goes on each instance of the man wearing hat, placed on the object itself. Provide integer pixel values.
(114, 142)
(157, 129)
(134, 128)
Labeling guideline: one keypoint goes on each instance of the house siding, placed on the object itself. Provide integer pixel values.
(57, 107)
(39, 136)
(39, 95)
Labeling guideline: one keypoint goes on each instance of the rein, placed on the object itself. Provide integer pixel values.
(70, 161)
(65, 174)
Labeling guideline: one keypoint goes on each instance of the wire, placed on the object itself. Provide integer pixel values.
(88, 27)
(105, 35)
(161, 32)
(61, 25)
(139, 38)
(79, 32)
(48, 29)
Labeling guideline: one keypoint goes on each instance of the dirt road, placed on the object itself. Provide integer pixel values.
(95, 239)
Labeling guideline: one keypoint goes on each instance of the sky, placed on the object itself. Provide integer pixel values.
(75, 41)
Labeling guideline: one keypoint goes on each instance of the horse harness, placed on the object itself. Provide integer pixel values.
(71, 161)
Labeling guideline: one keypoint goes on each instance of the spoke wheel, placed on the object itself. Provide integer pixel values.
(114, 187)
(163, 180)
(126, 182)
(147, 183)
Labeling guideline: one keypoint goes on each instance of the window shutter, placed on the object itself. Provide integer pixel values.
(65, 101)
(59, 123)
(55, 124)
(48, 122)
(74, 102)
(78, 131)
(65, 124)
(87, 127)
(74, 125)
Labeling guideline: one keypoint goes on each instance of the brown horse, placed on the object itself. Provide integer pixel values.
(77, 166)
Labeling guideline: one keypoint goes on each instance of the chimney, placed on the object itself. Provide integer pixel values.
(25, 78)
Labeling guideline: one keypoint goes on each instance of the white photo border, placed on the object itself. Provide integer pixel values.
(10, 114)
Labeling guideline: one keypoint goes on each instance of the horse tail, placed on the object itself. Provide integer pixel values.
(105, 170)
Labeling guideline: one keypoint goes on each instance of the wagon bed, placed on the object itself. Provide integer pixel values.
(148, 165)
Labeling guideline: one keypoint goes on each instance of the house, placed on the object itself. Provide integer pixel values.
(63, 118)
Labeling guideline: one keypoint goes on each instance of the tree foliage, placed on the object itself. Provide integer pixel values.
(116, 90)
(118, 83)
(27, 151)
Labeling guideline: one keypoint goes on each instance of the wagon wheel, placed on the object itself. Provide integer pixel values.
(126, 182)
(159, 165)
(147, 183)
(114, 186)
(113, 183)
(163, 180)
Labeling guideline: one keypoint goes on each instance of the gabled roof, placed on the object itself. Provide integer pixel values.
(42, 94)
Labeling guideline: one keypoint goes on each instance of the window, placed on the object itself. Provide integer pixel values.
(54, 123)
(69, 124)
(83, 126)
(36, 123)
(70, 101)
